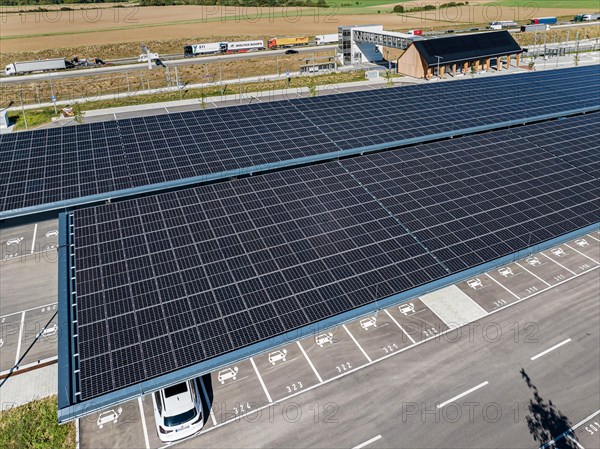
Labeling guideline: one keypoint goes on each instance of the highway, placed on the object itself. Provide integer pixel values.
(7, 80)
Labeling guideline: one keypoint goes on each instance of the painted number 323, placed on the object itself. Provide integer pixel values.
(294, 387)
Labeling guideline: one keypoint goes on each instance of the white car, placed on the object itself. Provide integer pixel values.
(366, 323)
(533, 261)
(407, 309)
(505, 271)
(227, 373)
(474, 283)
(178, 411)
(582, 243)
(558, 252)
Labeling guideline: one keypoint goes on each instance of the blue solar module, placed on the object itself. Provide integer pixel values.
(60, 167)
(168, 281)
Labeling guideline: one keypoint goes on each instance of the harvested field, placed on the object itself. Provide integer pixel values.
(28, 32)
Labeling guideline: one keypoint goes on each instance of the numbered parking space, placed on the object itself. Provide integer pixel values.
(33, 326)
(120, 426)
(285, 371)
(569, 259)
(236, 390)
(417, 320)
(486, 292)
(588, 434)
(587, 247)
(16, 241)
(333, 352)
(518, 280)
(379, 334)
(46, 236)
(10, 330)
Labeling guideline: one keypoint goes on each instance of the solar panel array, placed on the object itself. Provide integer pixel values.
(174, 279)
(59, 164)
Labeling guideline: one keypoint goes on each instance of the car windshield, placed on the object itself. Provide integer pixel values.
(175, 390)
(182, 418)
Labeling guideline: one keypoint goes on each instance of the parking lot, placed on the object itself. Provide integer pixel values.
(236, 392)
(28, 288)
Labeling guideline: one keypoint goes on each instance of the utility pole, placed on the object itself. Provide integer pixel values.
(545, 49)
(438, 65)
(178, 83)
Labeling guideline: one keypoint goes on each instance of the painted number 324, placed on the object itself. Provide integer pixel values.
(593, 428)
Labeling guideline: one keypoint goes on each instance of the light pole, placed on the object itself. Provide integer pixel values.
(438, 65)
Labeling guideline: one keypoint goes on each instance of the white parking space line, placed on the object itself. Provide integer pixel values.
(208, 403)
(590, 235)
(33, 240)
(535, 357)
(260, 379)
(575, 427)
(398, 324)
(310, 362)
(575, 442)
(144, 427)
(357, 344)
(557, 263)
(584, 255)
(366, 443)
(27, 310)
(532, 273)
(20, 338)
(505, 288)
(455, 398)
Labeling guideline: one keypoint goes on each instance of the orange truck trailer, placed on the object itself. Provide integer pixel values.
(278, 42)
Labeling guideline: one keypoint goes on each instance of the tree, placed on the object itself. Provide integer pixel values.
(78, 113)
(531, 65)
(388, 78)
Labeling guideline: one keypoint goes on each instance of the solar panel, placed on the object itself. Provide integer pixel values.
(170, 280)
(58, 167)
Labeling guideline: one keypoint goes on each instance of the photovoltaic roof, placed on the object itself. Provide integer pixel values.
(196, 278)
(74, 165)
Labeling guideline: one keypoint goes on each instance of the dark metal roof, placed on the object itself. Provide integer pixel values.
(467, 47)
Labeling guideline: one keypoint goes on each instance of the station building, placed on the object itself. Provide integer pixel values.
(459, 54)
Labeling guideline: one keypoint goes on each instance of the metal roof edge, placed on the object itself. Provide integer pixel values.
(72, 411)
(64, 347)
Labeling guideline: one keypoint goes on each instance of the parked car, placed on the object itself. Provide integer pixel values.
(291, 52)
(178, 411)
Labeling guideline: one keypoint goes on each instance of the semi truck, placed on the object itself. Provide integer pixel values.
(498, 25)
(41, 65)
(323, 39)
(586, 17)
(244, 46)
(415, 32)
(189, 51)
(546, 20)
(538, 27)
(278, 42)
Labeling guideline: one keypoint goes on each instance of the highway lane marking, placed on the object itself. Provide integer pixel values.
(556, 346)
(366, 443)
(385, 357)
(558, 263)
(566, 432)
(146, 439)
(33, 240)
(471, 390)
(584, 255)
(398, 324)
(20, 338)
(505, 288)
(575, 442)
(208, 402)
(532, 273)
(260, 379)
(309, 362)
(357, 344)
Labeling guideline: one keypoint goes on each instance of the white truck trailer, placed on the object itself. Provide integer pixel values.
(323, 39)
(41, 65)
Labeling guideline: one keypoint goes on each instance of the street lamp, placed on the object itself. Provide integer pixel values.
(438, 65)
